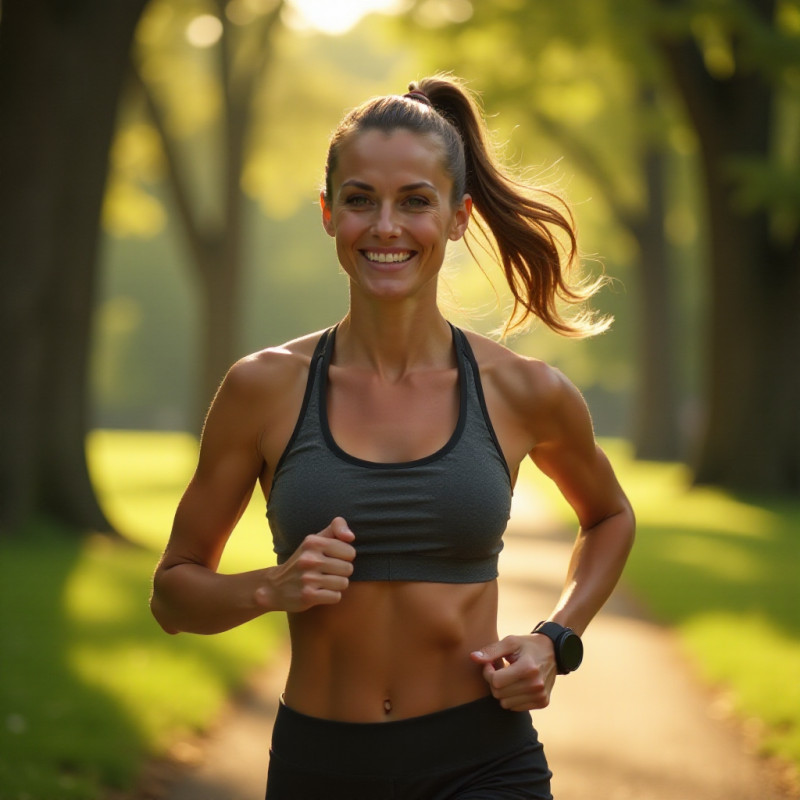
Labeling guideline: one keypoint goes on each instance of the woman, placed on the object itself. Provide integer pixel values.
(387, 448)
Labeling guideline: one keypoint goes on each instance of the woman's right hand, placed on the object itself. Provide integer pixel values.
(317, 573)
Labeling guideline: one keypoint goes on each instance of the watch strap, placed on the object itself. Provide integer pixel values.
(560, 635)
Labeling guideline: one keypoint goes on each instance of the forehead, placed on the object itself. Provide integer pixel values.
(401, 156)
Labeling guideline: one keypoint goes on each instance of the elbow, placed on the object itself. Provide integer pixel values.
(160, 619)
(160, 611)
(629, 516)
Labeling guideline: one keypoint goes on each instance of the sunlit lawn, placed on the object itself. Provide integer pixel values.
(89, 684)
(725, 572)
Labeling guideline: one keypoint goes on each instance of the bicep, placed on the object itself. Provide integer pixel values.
(220, 489)
(568, 454)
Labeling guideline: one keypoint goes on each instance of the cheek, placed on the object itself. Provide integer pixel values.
(432, 230)
(347, 226)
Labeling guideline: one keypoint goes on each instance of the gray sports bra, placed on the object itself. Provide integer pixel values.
(440, 518)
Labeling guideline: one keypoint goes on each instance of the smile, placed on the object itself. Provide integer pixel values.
(388, 258)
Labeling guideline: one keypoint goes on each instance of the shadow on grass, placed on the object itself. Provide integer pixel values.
(690, 571)
(57, 734)
(90, 685)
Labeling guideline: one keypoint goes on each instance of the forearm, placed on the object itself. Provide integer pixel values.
(597, 561)
(192, 598)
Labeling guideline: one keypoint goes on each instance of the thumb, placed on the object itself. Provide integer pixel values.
(338, 529)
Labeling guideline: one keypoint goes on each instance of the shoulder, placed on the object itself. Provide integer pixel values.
(265, 384)
(522, 380)
(272, 370)
(539, 396)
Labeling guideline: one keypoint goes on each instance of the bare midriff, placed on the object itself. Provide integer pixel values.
(391, 650)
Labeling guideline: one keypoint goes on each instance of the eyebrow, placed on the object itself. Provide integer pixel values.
(410, 187)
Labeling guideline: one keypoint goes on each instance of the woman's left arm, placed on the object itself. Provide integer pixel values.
(566, 451)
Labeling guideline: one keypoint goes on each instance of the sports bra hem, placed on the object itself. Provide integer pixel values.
(422, 568)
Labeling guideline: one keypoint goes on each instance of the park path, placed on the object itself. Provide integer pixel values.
(632, 724)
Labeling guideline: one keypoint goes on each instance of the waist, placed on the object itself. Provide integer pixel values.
(466, 733)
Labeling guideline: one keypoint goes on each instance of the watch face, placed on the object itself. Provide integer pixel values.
(570, 651)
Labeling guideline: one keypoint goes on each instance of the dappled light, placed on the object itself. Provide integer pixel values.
(204, 31)
(333, 18)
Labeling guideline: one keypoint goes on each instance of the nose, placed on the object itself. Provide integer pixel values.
(385, 224)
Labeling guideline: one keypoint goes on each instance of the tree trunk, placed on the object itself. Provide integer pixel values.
(751, 440)
(221, 268)
(61, 68)
(27, 164)
(752, 426)
(656, 434)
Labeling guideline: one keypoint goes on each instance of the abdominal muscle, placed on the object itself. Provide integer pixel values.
(391, 650)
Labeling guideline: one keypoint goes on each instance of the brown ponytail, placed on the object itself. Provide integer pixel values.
(532, 239)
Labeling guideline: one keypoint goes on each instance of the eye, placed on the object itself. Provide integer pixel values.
(357, 200)
(417, 202)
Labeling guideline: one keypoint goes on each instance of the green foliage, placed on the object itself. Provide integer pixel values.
(91, 685)
(722, 570)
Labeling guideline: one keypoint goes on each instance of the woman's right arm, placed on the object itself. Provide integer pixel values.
(188, 592)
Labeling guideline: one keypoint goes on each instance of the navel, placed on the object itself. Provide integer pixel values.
(387, 706)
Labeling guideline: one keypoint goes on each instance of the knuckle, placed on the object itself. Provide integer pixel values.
(534, 673)
(308, 560)
(331, 598)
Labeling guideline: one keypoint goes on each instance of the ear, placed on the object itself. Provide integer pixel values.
(327, 215)
(461, 218)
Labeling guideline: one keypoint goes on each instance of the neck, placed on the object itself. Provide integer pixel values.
(393, 342)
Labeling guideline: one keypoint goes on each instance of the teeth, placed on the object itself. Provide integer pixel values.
(388, 258)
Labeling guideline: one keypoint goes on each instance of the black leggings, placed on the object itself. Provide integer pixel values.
(477, 751)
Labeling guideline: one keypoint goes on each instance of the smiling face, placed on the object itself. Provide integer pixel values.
(391, 213)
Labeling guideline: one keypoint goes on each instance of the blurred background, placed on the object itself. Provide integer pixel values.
(159, 175)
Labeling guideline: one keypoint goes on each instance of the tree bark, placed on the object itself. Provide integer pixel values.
(656, 433)
(61, 68)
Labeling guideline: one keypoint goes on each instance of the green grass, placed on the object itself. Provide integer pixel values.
(89, 684)
(724, 571)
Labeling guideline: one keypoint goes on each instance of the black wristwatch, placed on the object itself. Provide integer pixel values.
(566, 643)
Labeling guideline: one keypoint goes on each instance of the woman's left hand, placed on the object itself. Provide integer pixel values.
(520, 671)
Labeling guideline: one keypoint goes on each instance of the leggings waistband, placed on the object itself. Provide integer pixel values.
(476, 730)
